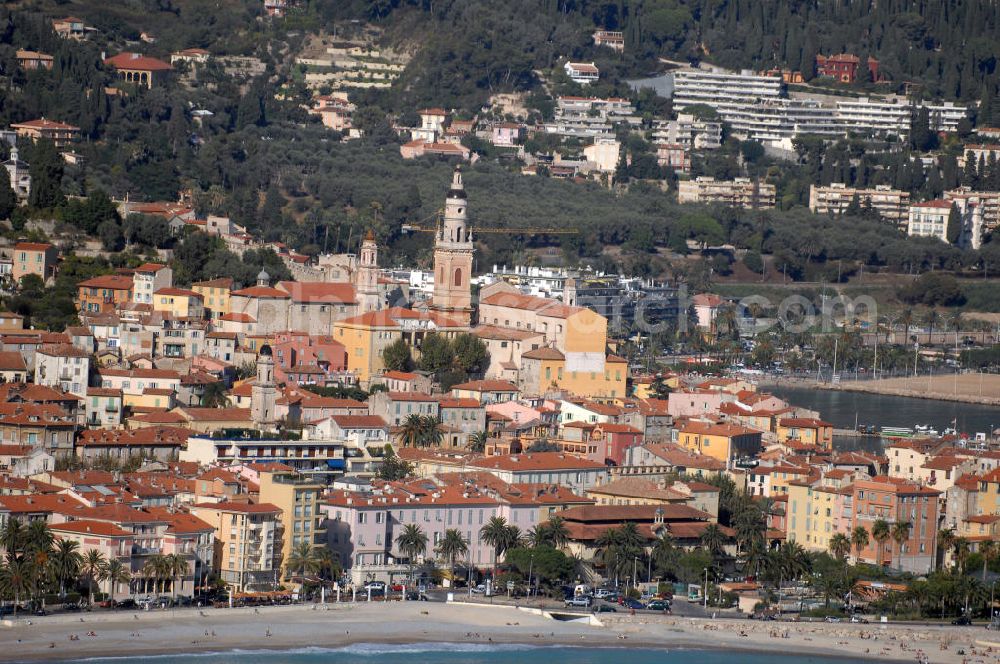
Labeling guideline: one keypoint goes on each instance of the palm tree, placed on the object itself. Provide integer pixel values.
(326, 566)
(840, 546)
(15, 578)
(880, 533)
(906, 318)
(859, 540)
(115, 573)
(988, 550)
(713, 539)
(155, 568)
(961, 552)
(558, 532)
(302, 560)
(452, 546)
(412, 542)
(66, 562)
(792, 560)
(432, 432)
(497, 534)
(13, 535)
(900, 534)
(664, 550)
(37, 549)
(477, 441)
(92, 567)
(945, 540)
(176, 567)
(411, 431)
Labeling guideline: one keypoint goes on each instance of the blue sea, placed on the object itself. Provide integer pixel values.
(473, 653)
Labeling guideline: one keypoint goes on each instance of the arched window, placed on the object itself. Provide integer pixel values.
(458, 276)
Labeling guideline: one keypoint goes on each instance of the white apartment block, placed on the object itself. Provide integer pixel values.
(148, 279)
(930, 219)
(756, 108)
(63, 366)
(891, 204)
(741, 192)
(591, 117)
(689, 133)
(725, 92)
(988, 202)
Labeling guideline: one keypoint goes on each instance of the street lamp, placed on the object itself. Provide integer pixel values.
(704, 591)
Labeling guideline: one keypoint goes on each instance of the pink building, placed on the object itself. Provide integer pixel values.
(362, 527)
(508, 134)
(304, 359)
(697, 402)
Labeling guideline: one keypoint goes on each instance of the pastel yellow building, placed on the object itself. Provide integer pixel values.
(806, 430)
(215, 295)
(545, 369)
(179, 302)
(365, 337)
(815, 514)
(725, 442)
(298, 499)
(246, 539)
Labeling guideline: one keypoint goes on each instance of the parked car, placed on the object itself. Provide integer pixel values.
(480, 589)
(603, 593)
(962, 620)
(832, 619)
(583, 600)
(605, 608)
(658, 605)
(414, 596)
(859, 619)
(630, 603)
(126, 604)
(375, 585)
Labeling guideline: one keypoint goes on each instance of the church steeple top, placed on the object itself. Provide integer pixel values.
(457, 188)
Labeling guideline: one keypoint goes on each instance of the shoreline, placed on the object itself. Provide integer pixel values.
(295, 628)
(865, 387)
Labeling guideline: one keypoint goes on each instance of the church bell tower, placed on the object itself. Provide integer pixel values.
(453, 249)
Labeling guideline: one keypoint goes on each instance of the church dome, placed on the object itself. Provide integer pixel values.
(266, 351)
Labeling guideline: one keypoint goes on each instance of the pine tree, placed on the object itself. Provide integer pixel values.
(46, 170)
(8, 199)
(954, 230)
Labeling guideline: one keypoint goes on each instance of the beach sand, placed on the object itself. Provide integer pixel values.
(336, 625)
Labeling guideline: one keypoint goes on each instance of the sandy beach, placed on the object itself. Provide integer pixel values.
(337, 625)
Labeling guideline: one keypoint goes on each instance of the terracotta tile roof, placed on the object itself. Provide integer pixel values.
(180, 292)
(246, 508)
(400, 375)
(238, 318)
(411, 396)
(37, 503)
(198, 414)
(262, 291)
(544, 353)
(503, 333)
(390, 317)
(803, 422)
(160, 436)
(164, 374)
(636, 487)
(458, 403)
(359, 421)
(88, 527)
(32, 246)
(137, 62)
(223, 282)
(534, 461)
(713, 429)
(45, 124)
(12, 361)
(108, 281)
(319, 292)
(541, 305)
(486, 386)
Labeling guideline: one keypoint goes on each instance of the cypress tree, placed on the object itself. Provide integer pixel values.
(954, 230)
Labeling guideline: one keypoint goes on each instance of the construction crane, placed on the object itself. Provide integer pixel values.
(413, 228)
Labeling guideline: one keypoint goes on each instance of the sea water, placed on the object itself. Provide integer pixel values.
(473, 653)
